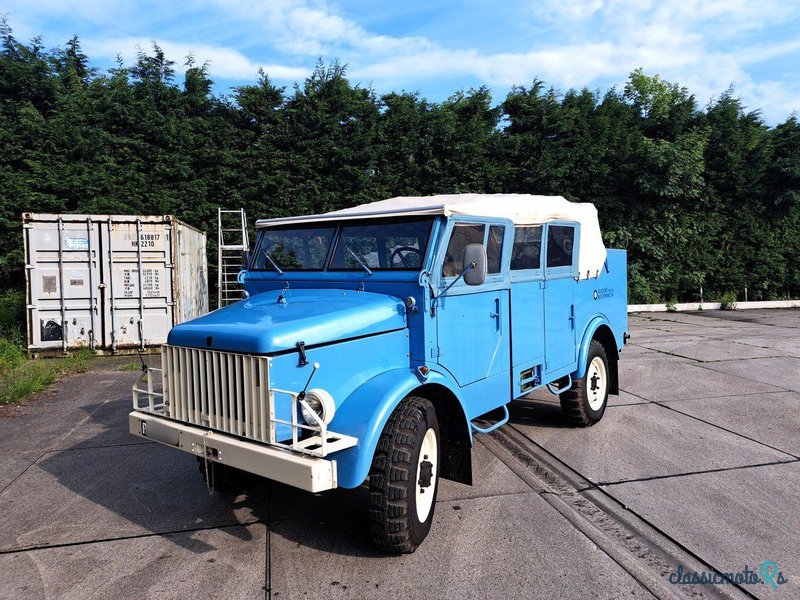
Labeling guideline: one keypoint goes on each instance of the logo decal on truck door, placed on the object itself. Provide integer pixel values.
(603, 293)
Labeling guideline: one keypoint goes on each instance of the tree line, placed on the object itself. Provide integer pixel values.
(698, 194)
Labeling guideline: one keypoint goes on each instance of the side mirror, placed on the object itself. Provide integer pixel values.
(474, 264)
(245, 259)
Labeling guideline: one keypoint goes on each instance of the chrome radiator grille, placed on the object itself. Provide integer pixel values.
(220, 390)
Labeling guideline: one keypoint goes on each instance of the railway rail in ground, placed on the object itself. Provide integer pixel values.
(646, 552)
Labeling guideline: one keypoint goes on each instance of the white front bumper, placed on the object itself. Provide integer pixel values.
(302, 471)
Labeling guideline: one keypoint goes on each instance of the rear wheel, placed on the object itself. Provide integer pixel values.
(585, 403)
(404, 477)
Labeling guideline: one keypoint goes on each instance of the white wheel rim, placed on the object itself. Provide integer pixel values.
(596, 383)
(429, 453)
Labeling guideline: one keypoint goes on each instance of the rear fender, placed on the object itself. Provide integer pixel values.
(600, 328)
(364, 415)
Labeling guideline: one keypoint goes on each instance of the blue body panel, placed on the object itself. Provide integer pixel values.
(487, 344)
(364, 415)
(271, 322)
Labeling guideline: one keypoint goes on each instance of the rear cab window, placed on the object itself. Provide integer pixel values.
(562, 250)
(526, 254)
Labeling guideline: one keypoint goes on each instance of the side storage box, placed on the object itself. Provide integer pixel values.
(111, 283)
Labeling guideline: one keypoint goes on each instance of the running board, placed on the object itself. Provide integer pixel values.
(491, 428)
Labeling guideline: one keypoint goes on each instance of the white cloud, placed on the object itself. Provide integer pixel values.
(706, 45)
(222, 62)
(596, 41)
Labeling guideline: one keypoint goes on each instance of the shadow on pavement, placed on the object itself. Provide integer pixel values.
(121, 486)
(535, 411)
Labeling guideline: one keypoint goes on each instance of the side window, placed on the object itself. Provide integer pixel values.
(494, 248)
(527, 250)
(463, 234)
(560, 239)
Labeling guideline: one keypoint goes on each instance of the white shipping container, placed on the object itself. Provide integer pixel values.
(111, 283)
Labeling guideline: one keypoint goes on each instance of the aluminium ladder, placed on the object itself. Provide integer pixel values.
(232, 241)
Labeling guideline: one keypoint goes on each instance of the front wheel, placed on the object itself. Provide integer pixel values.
(404, 477)
(584, 404)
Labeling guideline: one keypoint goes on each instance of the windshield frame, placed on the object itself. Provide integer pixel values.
(338, 225)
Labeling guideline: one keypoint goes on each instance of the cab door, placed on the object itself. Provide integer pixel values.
(527, 302)
(472, 322)
(561, 270)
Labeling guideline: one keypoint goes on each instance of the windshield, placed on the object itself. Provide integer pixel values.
(373, 245)
(385, 244)
(293, 248)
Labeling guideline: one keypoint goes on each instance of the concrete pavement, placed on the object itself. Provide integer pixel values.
(695, 462)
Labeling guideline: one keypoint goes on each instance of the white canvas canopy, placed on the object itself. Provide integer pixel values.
(522, 209)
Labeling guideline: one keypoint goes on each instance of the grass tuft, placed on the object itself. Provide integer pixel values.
(130, 366)
(20, 377)
(728, 301)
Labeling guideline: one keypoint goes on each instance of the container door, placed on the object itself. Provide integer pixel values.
(191, 272)
(559, 297)
(63, 284)
(138, 273)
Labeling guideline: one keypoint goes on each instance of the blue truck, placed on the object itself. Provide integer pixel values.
(371, 339)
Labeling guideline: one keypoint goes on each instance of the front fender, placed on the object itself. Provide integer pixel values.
(586, 341)
(364, 415)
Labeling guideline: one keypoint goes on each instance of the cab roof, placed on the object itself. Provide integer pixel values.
(521, 209)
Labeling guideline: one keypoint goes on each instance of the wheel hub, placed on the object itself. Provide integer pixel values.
(425, 473)
(594, 380)
(596, 383)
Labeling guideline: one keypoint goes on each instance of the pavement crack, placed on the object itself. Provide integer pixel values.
(123, 538)
(100, 447)
(701, 361)
(663, 404)
(268, 547)
(55, 444)
(690, 473)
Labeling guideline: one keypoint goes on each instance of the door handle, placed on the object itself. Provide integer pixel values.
(571, 317)
(496, 314)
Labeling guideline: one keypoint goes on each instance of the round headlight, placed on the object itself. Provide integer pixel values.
(321, 402)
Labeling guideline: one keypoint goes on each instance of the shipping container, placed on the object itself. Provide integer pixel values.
(111, 283)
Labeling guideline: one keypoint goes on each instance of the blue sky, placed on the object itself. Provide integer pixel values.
(437, 48)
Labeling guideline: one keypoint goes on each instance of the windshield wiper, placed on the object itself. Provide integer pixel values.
(358, 259)
(272, 262)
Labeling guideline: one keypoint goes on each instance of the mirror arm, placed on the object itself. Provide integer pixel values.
(472, 265)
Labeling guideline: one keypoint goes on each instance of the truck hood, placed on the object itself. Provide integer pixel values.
(273, 320)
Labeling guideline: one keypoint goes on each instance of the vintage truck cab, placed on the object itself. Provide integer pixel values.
(372, 338)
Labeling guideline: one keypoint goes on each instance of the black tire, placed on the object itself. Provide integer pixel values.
(224, 478)
(395, 473)
(576, 403)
